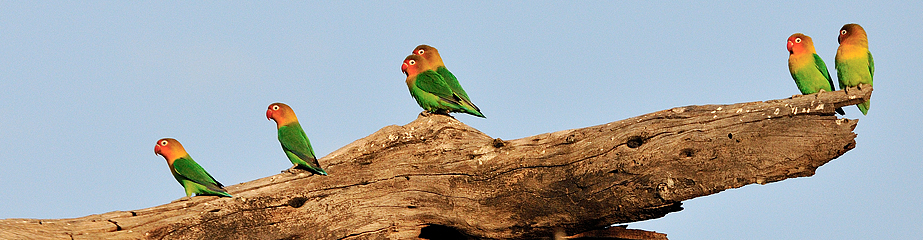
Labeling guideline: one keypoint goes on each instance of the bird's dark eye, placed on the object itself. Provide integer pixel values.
(275, 107)
(797, 40)
(420, 52)
(163, 143)
(411, 62)
(843, 32)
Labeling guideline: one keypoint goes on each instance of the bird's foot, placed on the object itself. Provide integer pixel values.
(291, 170)
(182, 199)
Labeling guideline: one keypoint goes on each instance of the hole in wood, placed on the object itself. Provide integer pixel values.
(687, 152)
(635, 141)
(441, 232)
(297, 202)
(730, 136)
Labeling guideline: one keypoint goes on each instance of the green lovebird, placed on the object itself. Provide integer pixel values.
(808, 70)
(294, 141)
(430, 89)
(854, 63)
(187, 172)
(432, 56)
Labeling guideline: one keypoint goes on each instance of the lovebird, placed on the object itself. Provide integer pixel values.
(187, 172)
(294, 141)
(808, 70)
(430, 89)
(436, 64)
(854, 63)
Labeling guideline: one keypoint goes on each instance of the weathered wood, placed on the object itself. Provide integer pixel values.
(437, 175)
(619, 233)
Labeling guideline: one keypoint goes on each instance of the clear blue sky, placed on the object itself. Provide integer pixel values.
(87, 89)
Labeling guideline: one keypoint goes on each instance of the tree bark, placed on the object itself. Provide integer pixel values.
(438, 176)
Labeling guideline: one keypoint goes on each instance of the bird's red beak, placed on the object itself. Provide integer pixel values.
(404, 68)
(790, 45)
(269, 114)
(157, 149)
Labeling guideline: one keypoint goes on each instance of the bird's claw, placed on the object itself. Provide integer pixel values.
(290, 170)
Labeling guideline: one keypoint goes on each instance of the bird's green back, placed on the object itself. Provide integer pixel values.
(297, 147)
(456, 87)
(293, 138)
(431, 82)
(452, 82)
(186, 168)
(822, 67)
(433, 94)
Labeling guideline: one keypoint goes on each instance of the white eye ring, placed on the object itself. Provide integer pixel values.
(420, 52)
(275, 107)
(411, 62)
(797, 40)
(843, 32)
(163, 143)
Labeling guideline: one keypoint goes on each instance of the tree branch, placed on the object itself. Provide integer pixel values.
(438, 174)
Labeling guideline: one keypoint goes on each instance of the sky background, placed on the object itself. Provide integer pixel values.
(88, 88)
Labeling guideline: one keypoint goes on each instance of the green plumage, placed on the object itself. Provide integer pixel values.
(814, 77)
(854, 62)
(456, 87)
(852, 72)
(195, 179)
(297, 147)
(434, 94)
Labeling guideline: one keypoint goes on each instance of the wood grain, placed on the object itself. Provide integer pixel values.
(441, 176)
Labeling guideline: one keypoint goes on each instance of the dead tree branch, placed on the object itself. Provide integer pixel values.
(438, 174)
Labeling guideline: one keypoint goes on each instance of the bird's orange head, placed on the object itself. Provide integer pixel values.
(799, 43)
(414, 64)
(430, 54)
(281, 113)
(853, 34)
(170, 149)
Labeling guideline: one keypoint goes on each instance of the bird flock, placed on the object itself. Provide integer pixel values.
(437, 91)
(431, 84)
(854, 63)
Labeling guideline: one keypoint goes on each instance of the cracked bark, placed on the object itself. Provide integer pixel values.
(439, 172)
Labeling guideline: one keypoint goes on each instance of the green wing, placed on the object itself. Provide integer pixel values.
(456, 87)
(452, 82)
(431, 82)
(822, 67)
(871, 67)
(189, 169)
(295, 142)
(819, 63)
